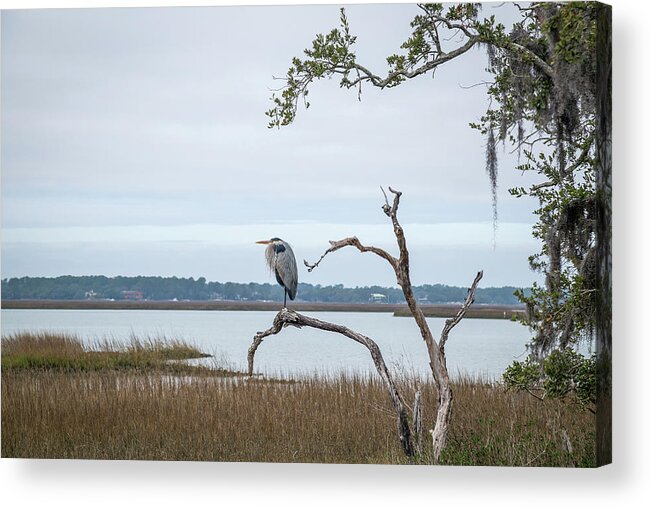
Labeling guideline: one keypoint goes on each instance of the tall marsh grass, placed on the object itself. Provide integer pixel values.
(51, 351)
(150, 414)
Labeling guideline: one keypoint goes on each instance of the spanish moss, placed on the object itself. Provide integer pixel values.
(491, 170)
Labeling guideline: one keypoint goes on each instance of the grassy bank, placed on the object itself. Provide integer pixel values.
(64, 353)
(154, 414)
(400, 310)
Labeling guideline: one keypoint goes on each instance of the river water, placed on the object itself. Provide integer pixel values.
(477, 347)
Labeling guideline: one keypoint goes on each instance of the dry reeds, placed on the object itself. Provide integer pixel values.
(157, 415)
(51, 351)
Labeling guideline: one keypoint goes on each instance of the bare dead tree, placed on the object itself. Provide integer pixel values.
(436, 350)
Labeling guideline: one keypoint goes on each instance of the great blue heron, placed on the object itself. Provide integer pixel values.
(282, 262)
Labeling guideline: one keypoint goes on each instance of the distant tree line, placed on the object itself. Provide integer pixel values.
(157, 288)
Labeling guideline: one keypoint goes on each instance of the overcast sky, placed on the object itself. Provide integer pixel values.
(134, 142)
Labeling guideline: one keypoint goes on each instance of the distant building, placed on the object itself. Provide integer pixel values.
(135, 295)
(91, 294)
(377, 298)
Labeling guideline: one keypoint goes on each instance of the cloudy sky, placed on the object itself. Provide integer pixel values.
(134, 141)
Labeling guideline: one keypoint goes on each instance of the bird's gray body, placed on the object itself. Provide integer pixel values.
(281, 261)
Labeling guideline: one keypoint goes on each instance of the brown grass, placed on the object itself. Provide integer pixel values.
(51, 351)
(154, 415)
(346, 420)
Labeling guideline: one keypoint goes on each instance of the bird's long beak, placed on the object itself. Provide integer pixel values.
(263, 242)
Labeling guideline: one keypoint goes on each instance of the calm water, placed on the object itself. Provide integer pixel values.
(475, 346)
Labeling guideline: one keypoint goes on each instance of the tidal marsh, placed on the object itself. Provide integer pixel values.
(149, 408)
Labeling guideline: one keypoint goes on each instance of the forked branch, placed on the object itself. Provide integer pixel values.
(436, 351)
(287, 317)
(390, 211)
(353, 241)
(450, 323)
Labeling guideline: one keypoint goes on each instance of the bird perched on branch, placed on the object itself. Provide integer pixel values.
(281, 260)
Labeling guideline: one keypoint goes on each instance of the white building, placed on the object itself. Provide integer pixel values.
(377, 298)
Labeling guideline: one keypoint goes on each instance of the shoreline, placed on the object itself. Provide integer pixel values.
(477, 311)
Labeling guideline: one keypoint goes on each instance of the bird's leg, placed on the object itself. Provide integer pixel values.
(285, 302)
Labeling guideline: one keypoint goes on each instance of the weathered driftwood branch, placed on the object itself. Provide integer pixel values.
(437, 355)
(417, 418)
(390, 211)
(287, 317)
(436, 351)
(353, 241)
(450, 323)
